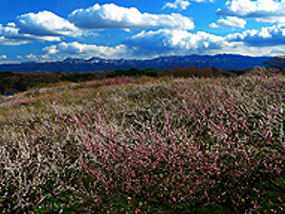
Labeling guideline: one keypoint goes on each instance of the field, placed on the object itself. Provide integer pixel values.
(145, 145)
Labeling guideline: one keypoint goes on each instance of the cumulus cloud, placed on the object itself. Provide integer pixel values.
(7, 34)
(180, 42)
(147, 44)
(269, 11)
(42, 26)
(31, 57)
(45, 23)
(199, 1)
(11, 35)
(111, 16)
(229, 22)
(3, 57)
(65, 49)
(181, 4)
(272, 20)
(10, 42)
(172, 42)
(266, 36)
(165, 42)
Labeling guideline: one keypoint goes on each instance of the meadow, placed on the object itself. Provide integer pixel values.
(145, 145)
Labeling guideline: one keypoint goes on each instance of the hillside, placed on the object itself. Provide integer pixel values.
(145, 145)
(222, 61)
(14, 82)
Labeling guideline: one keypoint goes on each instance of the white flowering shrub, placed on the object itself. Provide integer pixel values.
(181, 145)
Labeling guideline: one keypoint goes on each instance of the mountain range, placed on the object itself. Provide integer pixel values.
(96, 64)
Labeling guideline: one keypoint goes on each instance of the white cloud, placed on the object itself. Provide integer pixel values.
(12, 35)
(143, 45)
(31, 57)
(269, 11)
(9, 32)
(229, 22)
(272, 20)
(111, 16)
(43, 26)
(247, 8)
(266, 41)
(266, 36)
(181, 4)
(163, 42)
(199, 1)
(10, 42)
(3, 57)
(173, 42)
(45, 23)
(64, 50)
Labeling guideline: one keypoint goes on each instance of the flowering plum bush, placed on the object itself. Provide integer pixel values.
(181, 145)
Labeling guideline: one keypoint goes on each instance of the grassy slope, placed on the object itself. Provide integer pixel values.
(208, 144)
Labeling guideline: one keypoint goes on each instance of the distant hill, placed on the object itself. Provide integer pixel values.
(95, 64)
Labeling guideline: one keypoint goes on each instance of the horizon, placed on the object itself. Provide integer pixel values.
(53, 30)
(139, 59)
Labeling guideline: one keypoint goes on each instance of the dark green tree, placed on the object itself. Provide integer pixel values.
(277, 62)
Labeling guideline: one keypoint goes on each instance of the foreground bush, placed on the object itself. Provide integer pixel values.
(182, 145)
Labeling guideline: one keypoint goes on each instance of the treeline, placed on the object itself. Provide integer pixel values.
(13, 82)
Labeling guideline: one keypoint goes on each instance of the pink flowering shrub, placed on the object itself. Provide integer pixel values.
(183, 145)
(23, 101)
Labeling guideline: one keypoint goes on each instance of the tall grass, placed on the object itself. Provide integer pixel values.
(146, 146)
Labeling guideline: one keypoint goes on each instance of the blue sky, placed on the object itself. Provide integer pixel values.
(44, 30)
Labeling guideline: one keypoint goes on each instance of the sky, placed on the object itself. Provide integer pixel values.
(49, 30)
